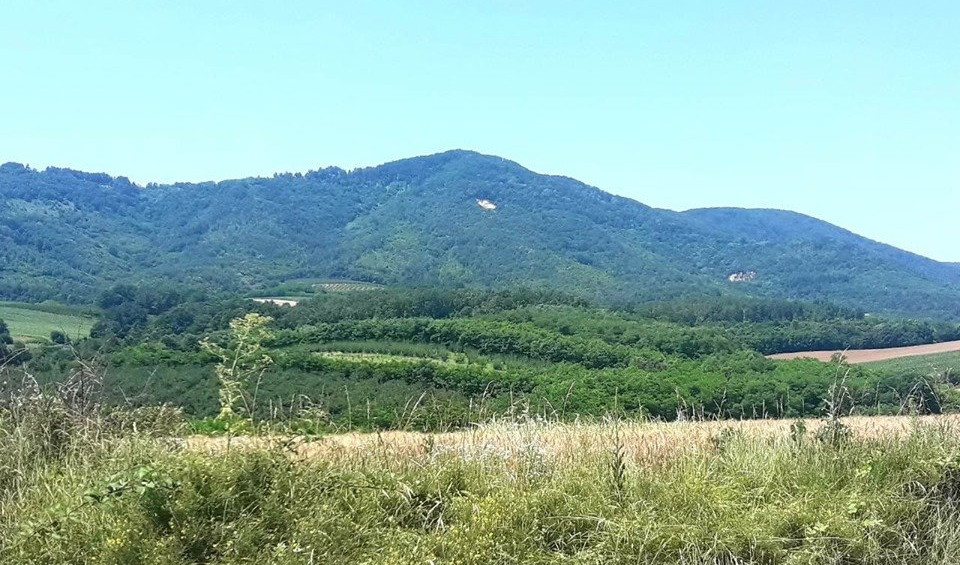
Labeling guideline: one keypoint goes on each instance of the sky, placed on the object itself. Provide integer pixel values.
(847, 111)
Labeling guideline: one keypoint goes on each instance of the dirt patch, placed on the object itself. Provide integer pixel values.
(870, 355)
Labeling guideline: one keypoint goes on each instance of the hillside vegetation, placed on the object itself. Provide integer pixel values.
(436, 359)
(70, 235)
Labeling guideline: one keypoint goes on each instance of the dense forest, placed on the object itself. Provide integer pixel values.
(69, 235)
(431, 358)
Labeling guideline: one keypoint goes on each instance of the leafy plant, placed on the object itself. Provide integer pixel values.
(242, 361)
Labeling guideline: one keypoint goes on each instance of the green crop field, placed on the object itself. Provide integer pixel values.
(935, 363)
(347, 286)
(34, 322)
(381, 357)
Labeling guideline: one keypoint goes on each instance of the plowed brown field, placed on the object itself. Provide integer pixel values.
(868, 355)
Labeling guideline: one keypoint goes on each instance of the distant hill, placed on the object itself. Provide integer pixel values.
(453, 219)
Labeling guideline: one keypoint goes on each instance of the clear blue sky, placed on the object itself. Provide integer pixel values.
(848, 111)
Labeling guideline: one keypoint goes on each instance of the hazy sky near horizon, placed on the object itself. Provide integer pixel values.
(847, 111)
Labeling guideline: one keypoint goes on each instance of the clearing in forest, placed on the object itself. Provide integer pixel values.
(33, 323)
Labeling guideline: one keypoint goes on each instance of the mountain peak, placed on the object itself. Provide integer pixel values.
(454, 160)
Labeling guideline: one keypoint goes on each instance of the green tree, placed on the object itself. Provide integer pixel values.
(5, 338)
(59, 338)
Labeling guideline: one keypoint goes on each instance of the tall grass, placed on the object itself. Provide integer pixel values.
(82, 487)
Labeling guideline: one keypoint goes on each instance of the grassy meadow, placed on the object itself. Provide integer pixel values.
(129, 488)
(32, 323)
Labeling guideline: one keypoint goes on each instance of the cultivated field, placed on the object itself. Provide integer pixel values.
(923, 364)
(874, 355)
(33, 323)
(376, 357)
(347, 286)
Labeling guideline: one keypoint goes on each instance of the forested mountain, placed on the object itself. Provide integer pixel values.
(457, 219)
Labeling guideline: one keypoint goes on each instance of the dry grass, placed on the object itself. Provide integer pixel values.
(643, 443)
(526, 492)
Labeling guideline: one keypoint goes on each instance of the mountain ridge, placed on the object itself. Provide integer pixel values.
(417, 221)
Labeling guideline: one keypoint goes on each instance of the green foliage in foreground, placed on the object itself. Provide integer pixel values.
(426, 395)
(94, 492)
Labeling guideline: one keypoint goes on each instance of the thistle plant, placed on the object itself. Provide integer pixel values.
(241, 361)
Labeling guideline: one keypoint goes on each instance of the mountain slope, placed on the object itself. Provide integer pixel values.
(800, 257)
(456, 219)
